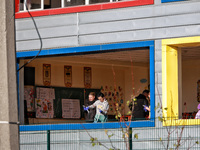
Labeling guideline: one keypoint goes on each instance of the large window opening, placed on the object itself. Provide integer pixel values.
(190, 81)
(180, 80)
(118, 74)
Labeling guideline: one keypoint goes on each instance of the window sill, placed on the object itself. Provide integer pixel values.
(181, 122)
(88, 126)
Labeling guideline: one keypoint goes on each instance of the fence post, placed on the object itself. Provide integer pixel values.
(48, 139)
(130, 138)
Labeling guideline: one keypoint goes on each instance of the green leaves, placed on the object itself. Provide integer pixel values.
(129, 113)
(136, 136)
(160, 119)
(91, 139)
(110, 135)
(127, 103)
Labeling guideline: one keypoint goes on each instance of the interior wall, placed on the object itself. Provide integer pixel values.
(190, 76)
(139, 73)
(104, 74)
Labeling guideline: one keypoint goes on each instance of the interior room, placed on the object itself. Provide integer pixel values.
(190, 81)
(120, 75)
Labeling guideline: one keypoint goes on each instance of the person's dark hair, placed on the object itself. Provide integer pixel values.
(100, 95)
(92, 93)
(145, 91)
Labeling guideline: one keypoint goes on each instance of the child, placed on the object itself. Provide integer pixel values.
(198, 113)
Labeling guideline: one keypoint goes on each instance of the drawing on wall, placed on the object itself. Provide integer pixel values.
(44, 102)
(29, 97)
(44, 108)
(114, 97)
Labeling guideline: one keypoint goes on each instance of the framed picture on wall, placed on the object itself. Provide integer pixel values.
(87, 77)
(46, 74)
(68, 76)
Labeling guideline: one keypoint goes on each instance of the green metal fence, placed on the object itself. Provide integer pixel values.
(116, 135)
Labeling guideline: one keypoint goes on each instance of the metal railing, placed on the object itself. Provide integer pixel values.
(116, 135)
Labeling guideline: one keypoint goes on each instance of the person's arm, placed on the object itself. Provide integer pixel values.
(105, 108)
(93, 105)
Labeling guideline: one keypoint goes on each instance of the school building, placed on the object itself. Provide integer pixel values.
(118, 47)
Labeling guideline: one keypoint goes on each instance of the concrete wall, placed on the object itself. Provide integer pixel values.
(148, 138)
(155, 22)
(151, 22)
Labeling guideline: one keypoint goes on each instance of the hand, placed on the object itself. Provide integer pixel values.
(85, 108)
(145, 108)
(101, 111)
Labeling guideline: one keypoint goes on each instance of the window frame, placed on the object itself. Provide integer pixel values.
(81, 8)
(106, 47)
(170, 80)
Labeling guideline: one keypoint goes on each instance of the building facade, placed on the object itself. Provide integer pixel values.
(128, 46)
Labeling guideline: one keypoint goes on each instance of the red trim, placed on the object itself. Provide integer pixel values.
(84, 8)
(16, 5)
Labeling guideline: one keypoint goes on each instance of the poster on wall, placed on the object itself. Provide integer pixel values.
(46, 74)
(68, 76)
(87, 77)
(29, 97)
(45, 93)
(44, 102)
(44, 108)
(71, 108)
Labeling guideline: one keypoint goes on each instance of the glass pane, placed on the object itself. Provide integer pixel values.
(98, 1)
(52, 4)
(30, 4)
(34, 4)
(74, 2)
(21, 5)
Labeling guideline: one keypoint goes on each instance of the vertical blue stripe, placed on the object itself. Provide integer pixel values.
(152, 81)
